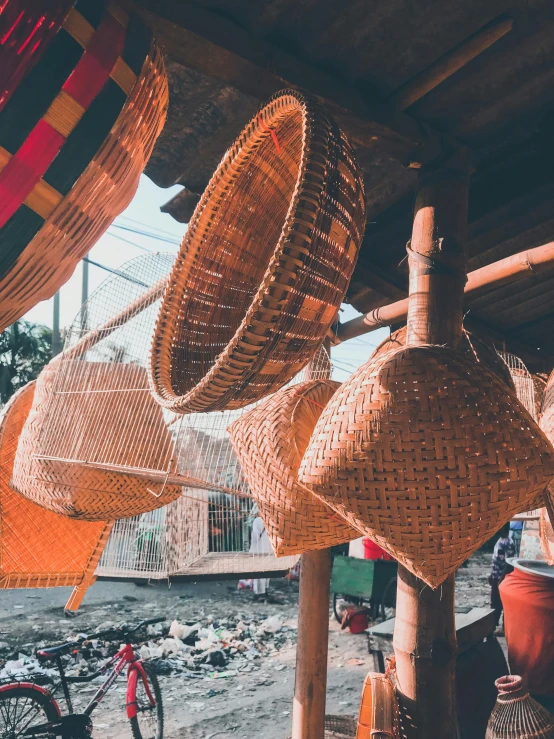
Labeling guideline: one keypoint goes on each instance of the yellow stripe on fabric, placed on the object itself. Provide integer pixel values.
(81, 31)
(43, 198)
(64, 113)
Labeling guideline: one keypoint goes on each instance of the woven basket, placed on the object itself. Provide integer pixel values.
(72, 419)
(378, 709)
(38, 548)
(26, 29)
(478, 349)
(340, 727)
(264, 264)
(428, 453)
(74, 138)
(516, 715)
(270, 441)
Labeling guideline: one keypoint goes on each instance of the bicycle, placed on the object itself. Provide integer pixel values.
(29, 709)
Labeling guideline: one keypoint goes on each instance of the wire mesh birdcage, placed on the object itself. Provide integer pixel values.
(94, 383)
(523, 381)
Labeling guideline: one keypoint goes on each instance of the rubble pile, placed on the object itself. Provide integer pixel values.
(214, 647)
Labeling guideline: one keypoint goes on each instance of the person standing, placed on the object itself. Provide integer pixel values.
(259, 544)
(503, 548)
(516, 530)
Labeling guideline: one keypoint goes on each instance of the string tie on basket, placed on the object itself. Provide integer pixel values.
(433, 266)
(272, 132)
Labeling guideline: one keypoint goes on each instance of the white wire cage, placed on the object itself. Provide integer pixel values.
(205, 531)
(523, 381)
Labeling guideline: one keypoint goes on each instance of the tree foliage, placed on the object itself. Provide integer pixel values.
(24, 350)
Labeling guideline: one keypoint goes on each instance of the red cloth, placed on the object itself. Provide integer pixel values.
(528, 602)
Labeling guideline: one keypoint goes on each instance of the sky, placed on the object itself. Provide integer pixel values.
(121, 243)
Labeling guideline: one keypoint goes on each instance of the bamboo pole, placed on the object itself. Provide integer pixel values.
(425, 632)
(310, 686)
(516, 267)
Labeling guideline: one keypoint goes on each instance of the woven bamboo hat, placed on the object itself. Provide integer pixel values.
(270, 441)
(480, 350)
(264, 264)
(60, 458)
(38, 548)
(78, 123)
(429, 454)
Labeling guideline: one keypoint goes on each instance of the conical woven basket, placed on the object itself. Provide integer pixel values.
(270, 441)
(378, 715)
(516, 715)
(72, 417)
(474, 347)
(429, 454)
(38, 548)
(75, 136)
(264, 264)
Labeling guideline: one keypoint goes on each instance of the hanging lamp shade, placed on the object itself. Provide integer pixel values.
(76, 413)
(264, 264)
(38, 548)
(473, 346)
(428, 453)
(78, 124)
(270, 441)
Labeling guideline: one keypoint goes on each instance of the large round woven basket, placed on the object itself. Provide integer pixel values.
(61, 454)
(38, 548)
(473, 346)
(264, 264)
(428, 453)
(75, 135)
(270, 441)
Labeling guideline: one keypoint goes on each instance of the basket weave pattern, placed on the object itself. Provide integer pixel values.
(429, 454)
(72, 417)
(264, 264)
(39, 549)
(471, 345)
(516, 715)
(270, 441)
(105, 188)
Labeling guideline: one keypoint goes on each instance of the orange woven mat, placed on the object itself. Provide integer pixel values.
(429, 454)
(38, 548)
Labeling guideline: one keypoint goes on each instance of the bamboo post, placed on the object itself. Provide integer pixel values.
(425, 631)
(310, 686)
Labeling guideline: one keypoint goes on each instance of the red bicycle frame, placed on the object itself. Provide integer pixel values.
(125, 656)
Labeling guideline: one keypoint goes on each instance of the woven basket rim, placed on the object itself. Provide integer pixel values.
(285, 102)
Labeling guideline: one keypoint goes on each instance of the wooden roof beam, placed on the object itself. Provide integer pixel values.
(215, 46)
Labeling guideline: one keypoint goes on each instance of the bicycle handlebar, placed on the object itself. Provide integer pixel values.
(124, 629)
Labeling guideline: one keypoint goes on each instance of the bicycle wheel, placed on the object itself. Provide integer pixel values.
(24, 707)
(148, 721)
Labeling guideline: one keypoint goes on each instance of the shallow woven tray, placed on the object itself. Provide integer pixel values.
(38, 548)
(264, 264)
(270, 441)
(76, 410)
(429, 454)
(473, 346)
(70, 208)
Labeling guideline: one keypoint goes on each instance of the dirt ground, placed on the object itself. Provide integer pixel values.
(253, 701)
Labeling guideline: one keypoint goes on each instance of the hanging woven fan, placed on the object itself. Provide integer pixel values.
(270, 441)
(38, 548)
(428, 453)
(80, 115)
(475, 347)
(264, 264)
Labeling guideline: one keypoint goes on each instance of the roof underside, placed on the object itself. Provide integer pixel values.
(224, 57)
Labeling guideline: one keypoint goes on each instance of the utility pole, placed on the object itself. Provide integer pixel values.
(56, 338)
(84, 298)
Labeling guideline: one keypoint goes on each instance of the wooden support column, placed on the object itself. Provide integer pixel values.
(310, 686)
(425, 632)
